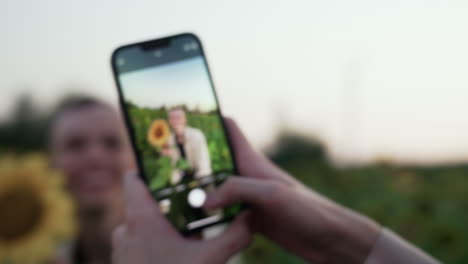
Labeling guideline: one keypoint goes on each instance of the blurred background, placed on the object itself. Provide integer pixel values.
(364, 101)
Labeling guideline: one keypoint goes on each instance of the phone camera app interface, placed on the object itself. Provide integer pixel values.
(177, 129)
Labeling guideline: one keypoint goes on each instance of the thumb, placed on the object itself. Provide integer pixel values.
(136, 195)
(240, 143)
(239, 189)
(236, 237)
(142, 211)
(243, 151)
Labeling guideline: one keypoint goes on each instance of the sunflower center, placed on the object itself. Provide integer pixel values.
(21, 211)
(158, 132)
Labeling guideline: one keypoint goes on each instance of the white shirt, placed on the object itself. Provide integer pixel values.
(196, 154)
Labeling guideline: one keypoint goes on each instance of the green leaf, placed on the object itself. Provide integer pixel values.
(183, 164)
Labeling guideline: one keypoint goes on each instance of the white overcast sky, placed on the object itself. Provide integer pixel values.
(372, 78)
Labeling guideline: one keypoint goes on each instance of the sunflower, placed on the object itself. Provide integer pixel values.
(158, 133)
(36, 214)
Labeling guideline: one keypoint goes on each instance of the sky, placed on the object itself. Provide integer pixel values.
(371, 78)
(178, 83)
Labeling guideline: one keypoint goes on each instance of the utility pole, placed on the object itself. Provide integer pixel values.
(351, 106)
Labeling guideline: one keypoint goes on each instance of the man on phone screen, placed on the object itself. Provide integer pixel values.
(188, 144)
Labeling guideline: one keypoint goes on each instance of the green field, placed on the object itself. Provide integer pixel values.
(426, 205)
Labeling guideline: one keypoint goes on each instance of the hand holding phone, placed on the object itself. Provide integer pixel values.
(296, 218)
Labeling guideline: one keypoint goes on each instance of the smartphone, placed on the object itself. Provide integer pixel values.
(177, 131)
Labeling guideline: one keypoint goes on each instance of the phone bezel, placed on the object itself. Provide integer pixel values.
(130, 127)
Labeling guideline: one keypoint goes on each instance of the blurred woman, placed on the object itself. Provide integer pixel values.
(87, 142)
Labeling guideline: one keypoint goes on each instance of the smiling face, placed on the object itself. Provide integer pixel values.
(88, 144)
(177, 120)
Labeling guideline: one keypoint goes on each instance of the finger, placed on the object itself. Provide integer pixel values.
(239, 142)
(236, 237)
(237, 189)
(136, 195)
(118, 238)
(142, 209)
(249, 162)
(245, 155)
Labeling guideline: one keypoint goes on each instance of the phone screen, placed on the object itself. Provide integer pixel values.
(176, 127)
